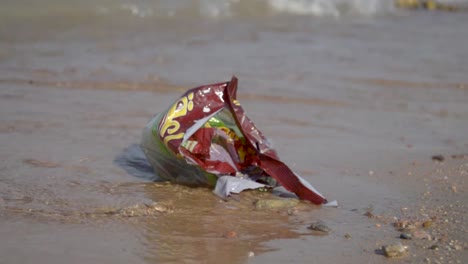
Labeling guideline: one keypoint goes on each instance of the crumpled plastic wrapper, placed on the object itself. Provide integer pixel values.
(205, 139)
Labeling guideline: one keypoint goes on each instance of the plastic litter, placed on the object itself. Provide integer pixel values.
(205, 139)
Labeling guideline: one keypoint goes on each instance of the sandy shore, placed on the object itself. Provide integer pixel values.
(65, 196)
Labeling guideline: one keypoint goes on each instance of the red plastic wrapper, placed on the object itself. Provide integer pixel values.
(205, 136)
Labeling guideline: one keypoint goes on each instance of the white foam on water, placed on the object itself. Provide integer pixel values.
(210, 8)
(334, 8)
(319, 8)
(137, 10)
(302, 7)
(205, 9)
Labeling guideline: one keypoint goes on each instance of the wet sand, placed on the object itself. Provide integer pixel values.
(68, 194)
(358, 105)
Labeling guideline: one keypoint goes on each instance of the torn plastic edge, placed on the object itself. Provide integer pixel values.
(230, 184)
(307, 184)
(268, 161)
(333, 203)
(289, 180)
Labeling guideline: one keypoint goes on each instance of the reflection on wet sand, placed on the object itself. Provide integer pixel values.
(182, 224)
(204, 228)
(201, 227)
(173, 223)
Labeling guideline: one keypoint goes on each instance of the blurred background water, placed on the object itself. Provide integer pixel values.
(267, 43)
(201, 8)
(194, 9)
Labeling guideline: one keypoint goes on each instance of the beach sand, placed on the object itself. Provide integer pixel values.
(359, 108)
(59, 181)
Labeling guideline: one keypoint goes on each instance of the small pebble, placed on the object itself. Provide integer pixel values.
(347, 236)
(394, 250)
(369, 214)
(434, 247)
(420, 234)
(406, 236)
(427, 224)
(251, 254)
(457, 247)
(439, 158)
(454, 188)
(319, 226)
(230, 234)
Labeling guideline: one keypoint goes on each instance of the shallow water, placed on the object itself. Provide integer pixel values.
(349, 100)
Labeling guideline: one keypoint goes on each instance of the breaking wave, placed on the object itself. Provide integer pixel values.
(173, 9)
(88, 10)
(254, 8)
